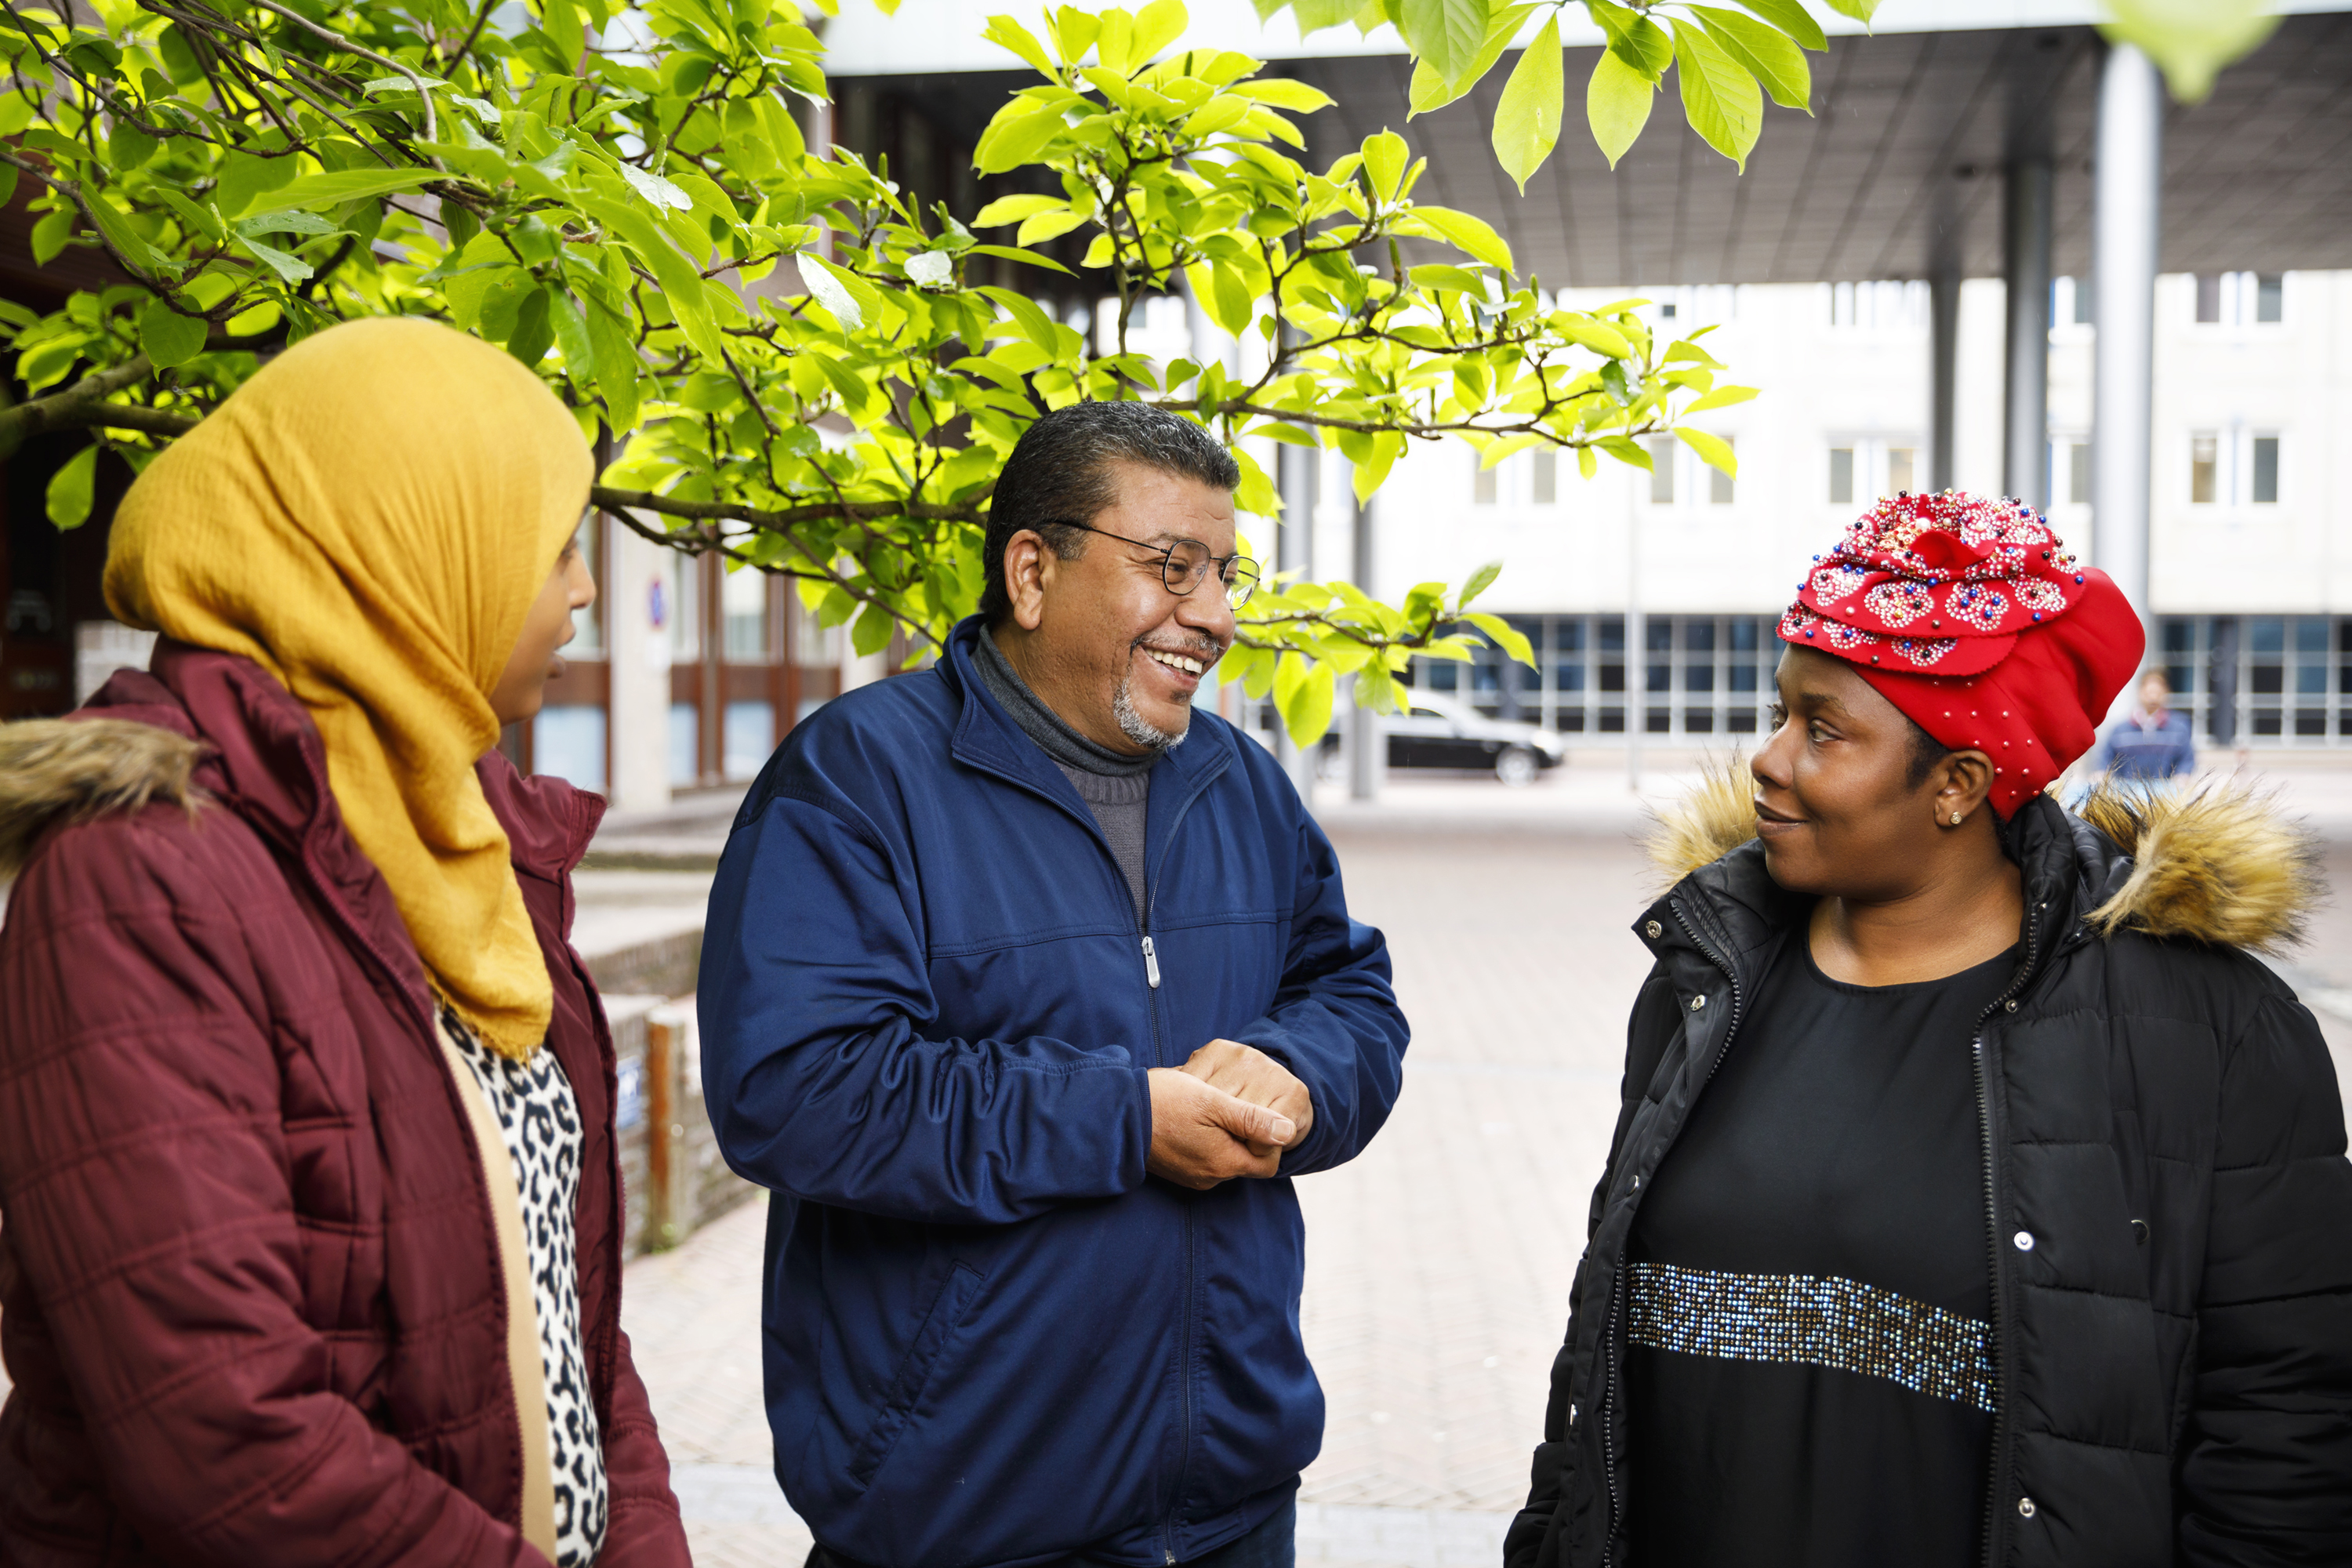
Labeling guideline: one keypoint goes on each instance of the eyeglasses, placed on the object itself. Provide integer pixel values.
(1185, 565)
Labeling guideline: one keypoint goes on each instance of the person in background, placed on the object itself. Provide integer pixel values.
(1027, 990)
(2152, 743)
(1976, 1197)
(310, 1198)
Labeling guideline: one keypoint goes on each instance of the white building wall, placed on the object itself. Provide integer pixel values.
(1863, 386)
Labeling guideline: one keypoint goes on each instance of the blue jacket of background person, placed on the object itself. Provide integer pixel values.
(2134, 752)
(927, 1016)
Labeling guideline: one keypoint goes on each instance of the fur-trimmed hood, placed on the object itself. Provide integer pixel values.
(2215, 862)
(57, 772)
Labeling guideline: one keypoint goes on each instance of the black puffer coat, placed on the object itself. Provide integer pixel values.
(2160, 1115)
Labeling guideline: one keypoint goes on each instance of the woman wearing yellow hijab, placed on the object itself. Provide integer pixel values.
(309, 1205)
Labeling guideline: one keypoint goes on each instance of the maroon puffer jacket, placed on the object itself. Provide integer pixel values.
(250, 1292)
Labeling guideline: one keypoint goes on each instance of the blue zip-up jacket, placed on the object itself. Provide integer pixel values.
(927, 1014)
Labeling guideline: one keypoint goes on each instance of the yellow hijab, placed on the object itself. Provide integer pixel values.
(368, 518)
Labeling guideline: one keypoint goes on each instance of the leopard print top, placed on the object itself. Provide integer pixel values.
(540, 1121)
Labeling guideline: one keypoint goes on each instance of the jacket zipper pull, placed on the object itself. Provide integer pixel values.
(1150, 964)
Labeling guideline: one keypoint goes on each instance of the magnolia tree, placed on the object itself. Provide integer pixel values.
(609, 196)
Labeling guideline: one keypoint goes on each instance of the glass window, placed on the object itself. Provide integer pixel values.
(2208, 296)
(2264, 490)
(1661, 471)
(1546, 476)
(1444, 675)
(743, 599)
(684, 745)
(1568, 646)
(1718, 486)
(678, 606)
(2083, 297)
(1901, 464)
(2270, 296)
(813, 647)
(2078, 472)
(567, 739)
(588, 625)
(750, 736)
(1842, 475)
(1482, 488)
(1612, 663)
(2204, 449)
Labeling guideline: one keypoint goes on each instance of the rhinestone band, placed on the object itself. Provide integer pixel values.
(1836, 1323)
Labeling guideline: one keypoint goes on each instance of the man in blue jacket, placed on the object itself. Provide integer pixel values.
(1026, 991)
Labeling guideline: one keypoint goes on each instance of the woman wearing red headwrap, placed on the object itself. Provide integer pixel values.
(1975, 1198)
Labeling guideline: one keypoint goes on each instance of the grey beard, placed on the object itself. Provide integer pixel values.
(1137, 728)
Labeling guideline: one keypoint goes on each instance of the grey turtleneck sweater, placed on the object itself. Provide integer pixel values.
(1117, 787)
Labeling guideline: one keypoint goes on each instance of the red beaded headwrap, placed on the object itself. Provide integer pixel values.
(1969, 616)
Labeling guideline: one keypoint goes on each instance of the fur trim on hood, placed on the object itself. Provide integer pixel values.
(2215, 862)
(56, 772)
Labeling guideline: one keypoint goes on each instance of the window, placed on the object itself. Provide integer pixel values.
(2270, 295)
(1661, 471)
(2263, 492)
(2083, 298)
(684, 745)
(1546, 476)
(568, 740)
(1718, 486)
(2208, 298)
(678, 606)
(2240, 298)
(1842, 475)
(1884, 306)
(743, 598)
(750, 731)
(2204, 455)
(2078, 472)
(588, 624)
(1901, 464)
(1482, 488)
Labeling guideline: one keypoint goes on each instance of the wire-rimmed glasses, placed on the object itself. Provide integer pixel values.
(1184, 564)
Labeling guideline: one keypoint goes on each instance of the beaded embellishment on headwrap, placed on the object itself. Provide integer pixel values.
(1940, 582)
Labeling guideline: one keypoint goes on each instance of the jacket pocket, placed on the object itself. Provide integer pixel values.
(940, 1326)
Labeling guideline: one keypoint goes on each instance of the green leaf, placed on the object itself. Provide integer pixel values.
(1307, 711)
(1480, 580)
(1008, 34)
(872, 633)
(1445, 33)
(168, 338)
(312, 192)
(1157, 25)
(559, 20)
(130, 147)
(288, 266)
(850, 298)
(1724, 105)
(1047, 226)
(1012, 209)
(1430, 91)
(50, 233)
(1778, 63)
(1713, 449)
(1860, 10)
(1281, 93)
(1526, 121)
(72, 486)
(1721, 397)
(1635, 39)
(617, 368)
(1385, 156)
(1617, 105)
(1014, 138)
(571, 337)
(1505, 636)
(1791, 18)
(1030, 256)
(125, 239)
(2191, 41)
(1472, 236)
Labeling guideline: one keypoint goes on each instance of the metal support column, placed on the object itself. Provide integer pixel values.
(1367, 745)
(1294, 478)
(2129, 181)
(2025, 452)
(1944, 360)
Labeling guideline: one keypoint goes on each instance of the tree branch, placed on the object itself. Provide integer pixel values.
(83, 406)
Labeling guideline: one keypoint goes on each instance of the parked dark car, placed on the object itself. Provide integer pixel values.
(1441, 732)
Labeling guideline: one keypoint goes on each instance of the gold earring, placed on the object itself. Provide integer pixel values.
(1956, 819)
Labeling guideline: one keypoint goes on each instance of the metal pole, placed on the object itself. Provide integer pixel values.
(2129, 182)
(1366, 746)
(2025, 458)
(1944, 316)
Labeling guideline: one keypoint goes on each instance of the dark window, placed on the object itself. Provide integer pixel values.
(1743, 677)
(2266, 485)
(1443, 673)
(1659, 721)
(1698, 634)
(1570, 719)
(1740, 721)
(1613, 720)
(2270, 297)
(2208, 296)
(1743, 635)
(1698, 721)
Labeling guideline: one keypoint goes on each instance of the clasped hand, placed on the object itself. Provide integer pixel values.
(1229, 1111)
